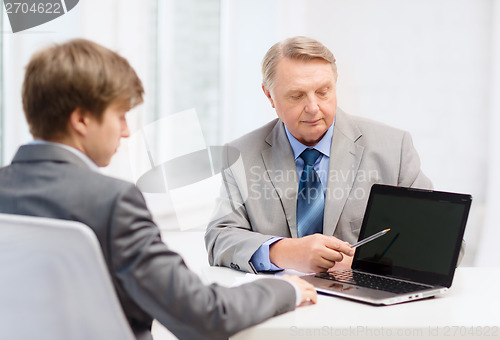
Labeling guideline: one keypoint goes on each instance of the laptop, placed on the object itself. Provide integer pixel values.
(416, 259)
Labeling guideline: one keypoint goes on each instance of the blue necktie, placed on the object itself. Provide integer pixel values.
(311, 199)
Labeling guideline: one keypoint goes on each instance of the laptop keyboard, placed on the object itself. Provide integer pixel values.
(372, 281)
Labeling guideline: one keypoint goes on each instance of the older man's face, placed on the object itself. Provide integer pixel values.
(305, 98)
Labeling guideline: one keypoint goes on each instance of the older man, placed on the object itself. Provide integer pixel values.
(295, 190)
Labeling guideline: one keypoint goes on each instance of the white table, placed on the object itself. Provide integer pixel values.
(469, 310)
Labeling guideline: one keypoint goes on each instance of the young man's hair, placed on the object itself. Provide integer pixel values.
(297, 48)
(76, 74)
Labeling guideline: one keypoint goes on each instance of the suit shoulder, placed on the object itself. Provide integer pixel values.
(255, 138)
(369, 128)
(104, 182)
(370, 125)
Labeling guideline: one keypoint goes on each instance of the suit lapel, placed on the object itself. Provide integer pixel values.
(345, 158)
(280, 165)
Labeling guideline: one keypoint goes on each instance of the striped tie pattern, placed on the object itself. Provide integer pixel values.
(311, 199)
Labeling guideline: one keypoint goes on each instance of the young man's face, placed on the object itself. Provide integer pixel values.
(304, 96)
(103, 137)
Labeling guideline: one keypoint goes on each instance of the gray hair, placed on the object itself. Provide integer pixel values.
(297, 48)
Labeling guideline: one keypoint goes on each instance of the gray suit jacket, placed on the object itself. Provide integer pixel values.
(258, 197)
(151, 280)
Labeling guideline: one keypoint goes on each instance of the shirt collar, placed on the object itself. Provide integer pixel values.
(75, 151)
(323, 146)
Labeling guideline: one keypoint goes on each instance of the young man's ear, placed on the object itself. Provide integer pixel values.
(78, 121)
(268, 95)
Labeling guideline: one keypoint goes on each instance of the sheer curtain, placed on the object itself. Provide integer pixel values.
(2, 86)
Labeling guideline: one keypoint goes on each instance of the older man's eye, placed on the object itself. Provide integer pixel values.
(296, 97)
(323, 92)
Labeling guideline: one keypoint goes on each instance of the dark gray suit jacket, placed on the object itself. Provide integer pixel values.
(151, 280)
(258, 197)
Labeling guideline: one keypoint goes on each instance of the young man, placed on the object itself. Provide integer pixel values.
(266, 218)
(75, 97)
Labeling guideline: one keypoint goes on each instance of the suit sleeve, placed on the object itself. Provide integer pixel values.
(410, 174)
(159, 282)
(230, 239)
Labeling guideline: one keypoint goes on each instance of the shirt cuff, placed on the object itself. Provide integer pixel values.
(252, 277)
(260, 259)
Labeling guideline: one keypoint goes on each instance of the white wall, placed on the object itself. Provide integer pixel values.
(488, 250)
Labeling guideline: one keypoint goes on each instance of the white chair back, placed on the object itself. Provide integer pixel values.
(54, 283)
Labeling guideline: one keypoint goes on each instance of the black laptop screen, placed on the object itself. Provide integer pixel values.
(425, 237)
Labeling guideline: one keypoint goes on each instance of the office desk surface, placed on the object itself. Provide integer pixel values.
(469, 310)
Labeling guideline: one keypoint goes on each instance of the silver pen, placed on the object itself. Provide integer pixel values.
(370, 238)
